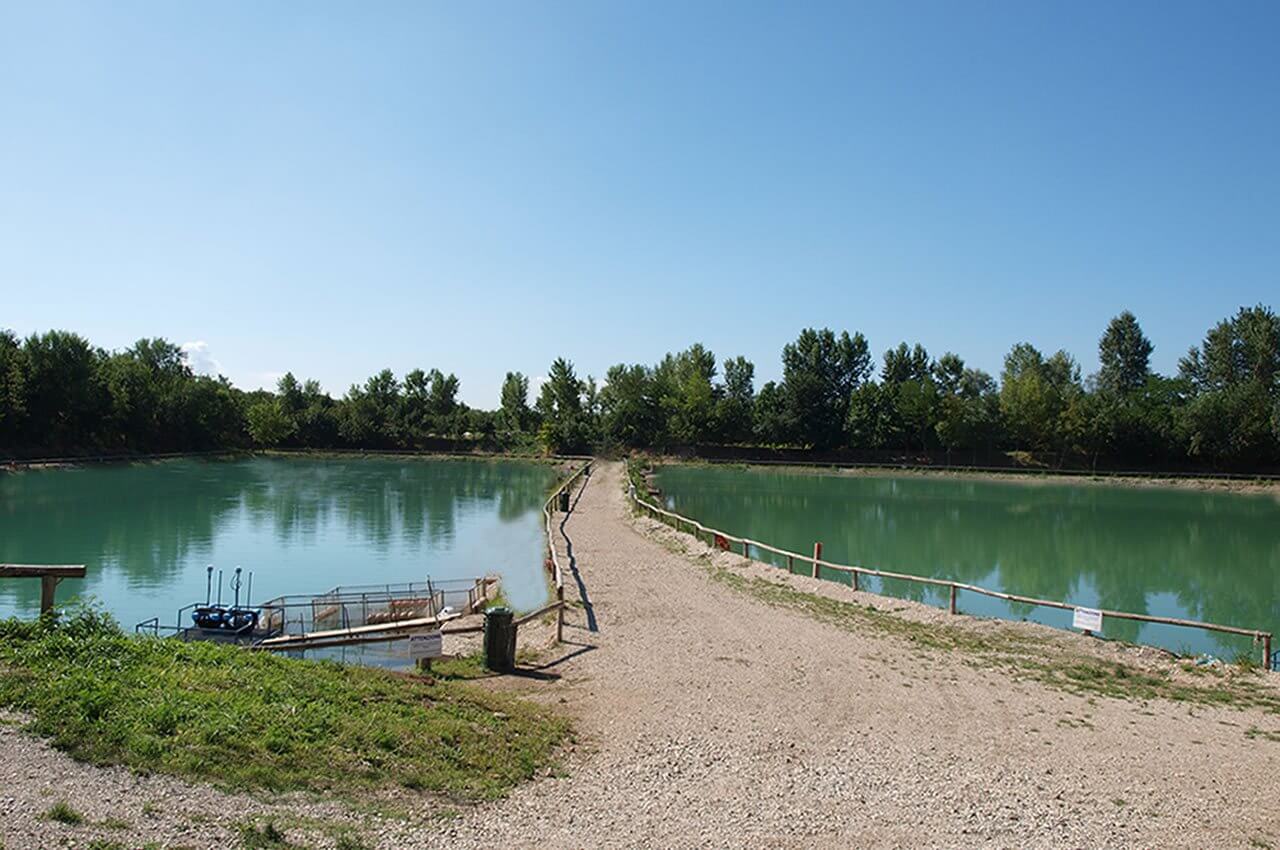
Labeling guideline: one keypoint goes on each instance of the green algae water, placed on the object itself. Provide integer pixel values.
(1195, 555)
(147, 531)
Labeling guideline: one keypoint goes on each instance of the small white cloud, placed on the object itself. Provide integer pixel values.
(199, 359)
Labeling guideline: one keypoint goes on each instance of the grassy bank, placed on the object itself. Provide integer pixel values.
(247, 720)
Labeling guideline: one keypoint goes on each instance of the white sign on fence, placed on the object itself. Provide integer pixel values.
(1089, 619)
(430, 645)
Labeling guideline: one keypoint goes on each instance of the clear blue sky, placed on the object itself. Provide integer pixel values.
(337, 188)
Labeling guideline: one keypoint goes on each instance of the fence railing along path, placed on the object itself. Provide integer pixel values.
(553, 564)
(557, 572)
(724, 539)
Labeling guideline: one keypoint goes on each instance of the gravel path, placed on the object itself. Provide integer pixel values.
(711, 719)
(707, 718)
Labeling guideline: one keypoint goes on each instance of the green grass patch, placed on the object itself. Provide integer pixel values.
(262, 836)
(63, 813)
(1031, 656)
(460, 667)
(243, 719)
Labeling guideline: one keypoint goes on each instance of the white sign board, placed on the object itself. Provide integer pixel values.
(1089, 619)
(430, 645)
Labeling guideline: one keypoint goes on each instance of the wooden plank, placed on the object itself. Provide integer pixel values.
(38, 570)
(546, 609)
(355, 633)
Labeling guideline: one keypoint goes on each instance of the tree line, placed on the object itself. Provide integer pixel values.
(61, 395)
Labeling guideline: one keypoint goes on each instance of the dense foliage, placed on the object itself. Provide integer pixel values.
(1221, 410)
(62, 396)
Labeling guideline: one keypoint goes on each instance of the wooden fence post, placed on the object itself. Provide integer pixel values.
(746, 549)
(1266, 652)
(854, 575)
(817, 556)
(560, 615)
(953, 599)
(47, 586)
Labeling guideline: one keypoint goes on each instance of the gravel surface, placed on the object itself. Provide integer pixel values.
(707, 718)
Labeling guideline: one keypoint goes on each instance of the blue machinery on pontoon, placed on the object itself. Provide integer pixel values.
(343, 615)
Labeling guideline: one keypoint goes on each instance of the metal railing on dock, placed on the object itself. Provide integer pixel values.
(723, 540)
(346, 615)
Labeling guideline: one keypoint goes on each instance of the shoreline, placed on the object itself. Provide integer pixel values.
(12, 465)
(1218, 483)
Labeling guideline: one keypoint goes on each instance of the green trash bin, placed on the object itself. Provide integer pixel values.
(499, 639)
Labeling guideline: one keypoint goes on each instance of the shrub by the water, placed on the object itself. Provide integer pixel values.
(244, 719)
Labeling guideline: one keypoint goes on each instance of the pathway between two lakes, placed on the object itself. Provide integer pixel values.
(709, 718)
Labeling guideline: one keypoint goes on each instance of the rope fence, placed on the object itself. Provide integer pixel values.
(717, 538)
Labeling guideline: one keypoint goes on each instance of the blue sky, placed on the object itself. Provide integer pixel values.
(337, 188)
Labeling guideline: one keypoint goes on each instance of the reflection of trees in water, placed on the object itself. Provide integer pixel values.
(1217, 555)
(386, 501)
(147, 521)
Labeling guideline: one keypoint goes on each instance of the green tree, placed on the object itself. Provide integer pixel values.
(734, 413)
(369, 415)
(772, 423)
(908, 398)
(13, 391)
(871, 420)
(66, 400)
(443, 397)
(293, 400)
(1125, 354)
(1243, 348)
(515, 414)
(686, 394)
(820, 372)
(1034, 392)
(268, 424)
(566, 425)
(416, 418)
(968, 408)
(629, 407)
(1234, 387)
(904, 364)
